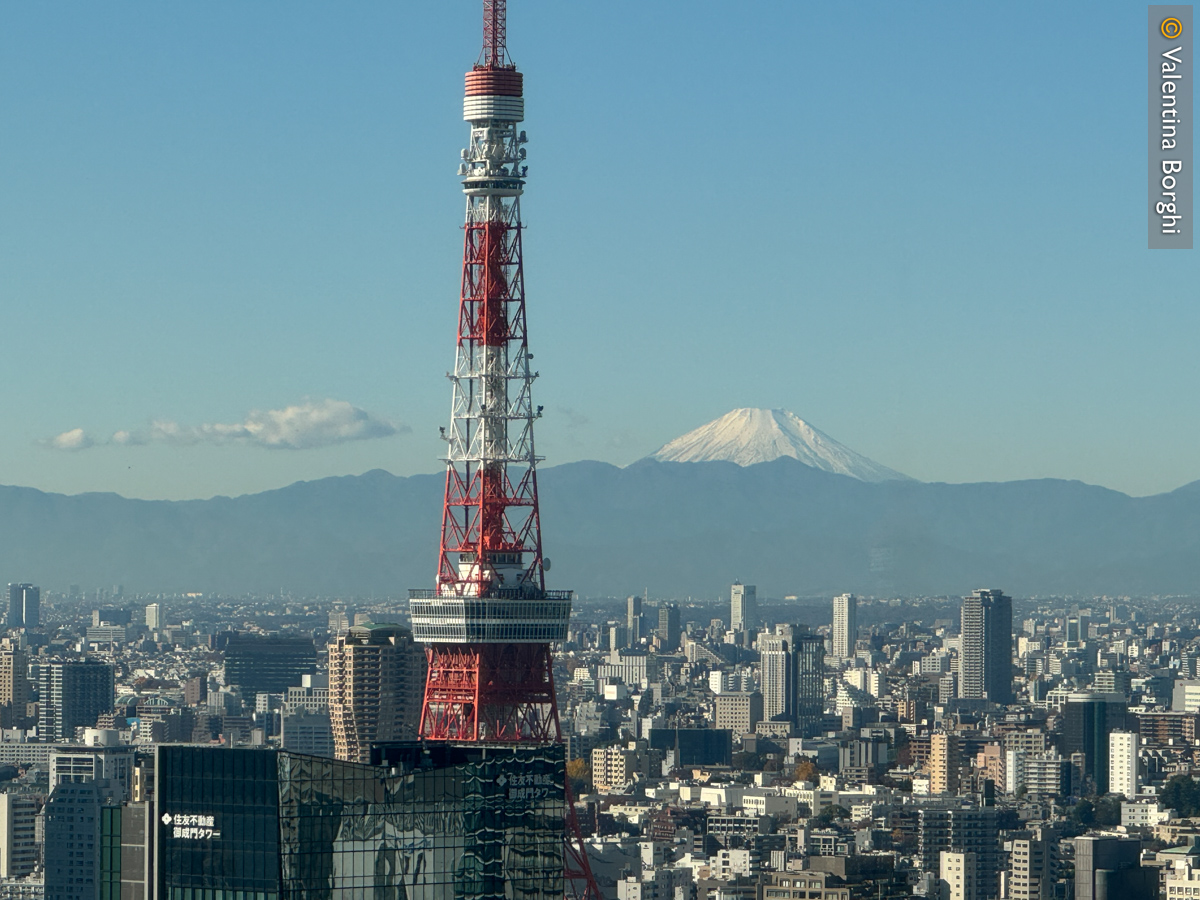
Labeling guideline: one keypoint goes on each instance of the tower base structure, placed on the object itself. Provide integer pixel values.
(490, 692)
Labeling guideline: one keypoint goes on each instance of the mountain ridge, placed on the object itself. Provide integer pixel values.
(678, 528)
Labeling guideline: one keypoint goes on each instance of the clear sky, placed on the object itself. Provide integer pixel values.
(229, 237)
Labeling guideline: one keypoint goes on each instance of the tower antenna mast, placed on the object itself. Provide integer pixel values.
(495, 49)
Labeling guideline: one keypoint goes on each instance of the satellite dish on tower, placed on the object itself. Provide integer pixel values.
(546, 565)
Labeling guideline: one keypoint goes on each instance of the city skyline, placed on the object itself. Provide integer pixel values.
(230, 279)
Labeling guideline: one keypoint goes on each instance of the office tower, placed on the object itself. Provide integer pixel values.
(808, 666)
(957, 871)
(945, 761)
(985, 661)
(153, 616)
(776, 676)
(1088, 717)
(72, 694)
(970, 829)
(1123, 764)
(24, 606)
(195, 690)
(432, 821)
(111, 767)
(1033, 867)
(1076, 630)
(669, 628)
(18, 834)
(375, 684)
(268, 663)
(72, 829)
(739, 711)
(845, 626)
(618, 637)
(743, 607)
(111, 616)
(1110, 867)
(633, 620)
(308, 732)
(14, 678)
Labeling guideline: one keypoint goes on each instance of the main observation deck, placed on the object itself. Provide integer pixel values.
(503, 617)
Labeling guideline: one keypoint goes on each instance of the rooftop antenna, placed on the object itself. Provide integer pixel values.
(495, 51)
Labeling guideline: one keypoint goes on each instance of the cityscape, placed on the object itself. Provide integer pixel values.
(797, 703)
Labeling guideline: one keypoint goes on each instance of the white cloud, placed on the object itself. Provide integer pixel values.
(303, 426)
(75, 439)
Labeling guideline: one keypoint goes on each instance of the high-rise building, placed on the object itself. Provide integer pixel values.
(72, 828)
(24, 606)
(14, 678)
(739, 711)
(153, 616)
(268, 663)
(945, 762)
(845, 626)
(669, 627)
(1033, 866)
(972, 829)
(633, 619)
(1076, 631)
(985, 662)
(376, 677)
(1109, 867)
(1123, 763)
(72, 694)
(957, 871)
(808, 667)
(776, 676)
(1088, 718)
(307, 732)
(18, 834)
(743, 607)
(470, 822)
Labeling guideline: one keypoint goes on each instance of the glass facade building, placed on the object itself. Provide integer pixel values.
(426, 822)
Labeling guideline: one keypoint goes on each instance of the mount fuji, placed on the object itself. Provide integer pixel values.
(751, 436)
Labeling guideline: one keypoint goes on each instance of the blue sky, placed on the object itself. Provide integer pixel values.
(230, 232)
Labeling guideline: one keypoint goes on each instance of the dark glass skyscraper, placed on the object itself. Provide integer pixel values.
(24, 606)
(669, 628)
(428, 822)
(71, 695)
(808, 661)
(1087, 720)
(986, 653)
(268, 664)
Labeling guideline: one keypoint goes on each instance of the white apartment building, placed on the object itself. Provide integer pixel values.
(1123, 764)
(957, 876)
(845, 626)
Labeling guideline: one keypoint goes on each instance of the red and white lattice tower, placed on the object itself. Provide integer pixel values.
(489, 623)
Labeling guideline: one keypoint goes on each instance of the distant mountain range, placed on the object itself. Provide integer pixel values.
(678, 528)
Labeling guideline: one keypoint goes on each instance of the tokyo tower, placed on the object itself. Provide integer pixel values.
(489, 622)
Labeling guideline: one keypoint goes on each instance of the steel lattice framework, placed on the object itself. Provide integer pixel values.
(489, 622)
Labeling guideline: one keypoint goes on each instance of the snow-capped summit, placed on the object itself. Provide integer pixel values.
(749, 436)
